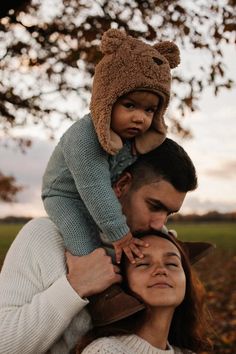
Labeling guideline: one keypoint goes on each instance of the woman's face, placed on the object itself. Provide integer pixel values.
(158, 279)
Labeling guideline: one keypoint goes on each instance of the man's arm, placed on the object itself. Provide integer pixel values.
(37, 302)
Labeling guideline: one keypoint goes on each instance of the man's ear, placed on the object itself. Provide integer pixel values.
(123, 184)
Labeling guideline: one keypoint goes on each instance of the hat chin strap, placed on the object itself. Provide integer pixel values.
(148, 141)
(143, 143)
(115, 143)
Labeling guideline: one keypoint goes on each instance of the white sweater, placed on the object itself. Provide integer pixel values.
(128, 344)
(38, 307)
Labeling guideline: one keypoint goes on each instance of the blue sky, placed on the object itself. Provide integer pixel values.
(213, 150)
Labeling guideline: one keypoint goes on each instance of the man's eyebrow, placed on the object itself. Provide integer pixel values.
(158, 204)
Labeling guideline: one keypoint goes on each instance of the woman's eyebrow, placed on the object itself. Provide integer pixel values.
(171, 254)
(145, 256)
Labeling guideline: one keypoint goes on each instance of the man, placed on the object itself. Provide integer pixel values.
(43, 293)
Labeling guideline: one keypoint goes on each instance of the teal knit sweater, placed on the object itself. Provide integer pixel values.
(80, 170)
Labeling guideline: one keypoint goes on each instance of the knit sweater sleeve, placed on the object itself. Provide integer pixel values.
(88, 164)
(36, 301)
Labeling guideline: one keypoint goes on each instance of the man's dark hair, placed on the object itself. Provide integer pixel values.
(170, 162)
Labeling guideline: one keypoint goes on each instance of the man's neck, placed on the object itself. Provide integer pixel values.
(156, 326)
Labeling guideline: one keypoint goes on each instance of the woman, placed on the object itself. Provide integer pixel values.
(174, 318)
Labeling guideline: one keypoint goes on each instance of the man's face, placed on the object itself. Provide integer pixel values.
(150, 205)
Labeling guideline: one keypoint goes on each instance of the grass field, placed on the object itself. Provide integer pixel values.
(221, 234)
(7, 234)
(217, 271)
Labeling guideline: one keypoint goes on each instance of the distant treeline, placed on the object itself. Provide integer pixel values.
(14, 220)
(214, 216)
(210, 216)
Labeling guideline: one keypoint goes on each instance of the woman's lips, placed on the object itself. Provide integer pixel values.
(161, 285)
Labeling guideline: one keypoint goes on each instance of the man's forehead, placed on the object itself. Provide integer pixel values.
(156, 185)
(151, 181)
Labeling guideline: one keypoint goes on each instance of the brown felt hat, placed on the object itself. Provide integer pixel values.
(194, 250)
(130, 64)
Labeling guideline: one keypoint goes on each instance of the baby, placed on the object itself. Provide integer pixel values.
(130, 94)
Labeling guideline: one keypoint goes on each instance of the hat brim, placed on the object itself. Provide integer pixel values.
(197, 250)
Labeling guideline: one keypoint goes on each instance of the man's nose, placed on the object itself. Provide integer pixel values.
(159, 221)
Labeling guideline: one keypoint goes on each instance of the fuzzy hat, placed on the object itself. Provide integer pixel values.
(129, 64)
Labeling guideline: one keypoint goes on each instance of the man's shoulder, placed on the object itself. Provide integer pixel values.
(38, 247)
(37, 225)
(38, 233)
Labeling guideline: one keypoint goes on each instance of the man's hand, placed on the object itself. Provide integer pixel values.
(91, 274)
(130, 246)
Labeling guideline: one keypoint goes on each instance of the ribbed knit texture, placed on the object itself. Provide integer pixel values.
(130, 344)
(39, 310)
(77, 190)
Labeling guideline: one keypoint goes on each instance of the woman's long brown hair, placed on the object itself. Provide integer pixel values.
(190, 324)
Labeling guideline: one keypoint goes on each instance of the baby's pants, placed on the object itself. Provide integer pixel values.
(79, 231)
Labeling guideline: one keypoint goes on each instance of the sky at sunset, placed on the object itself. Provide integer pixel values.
(213, 150)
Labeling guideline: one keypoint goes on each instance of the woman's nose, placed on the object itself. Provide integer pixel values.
(159, 270)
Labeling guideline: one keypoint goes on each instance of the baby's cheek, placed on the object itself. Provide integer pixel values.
(148, 125)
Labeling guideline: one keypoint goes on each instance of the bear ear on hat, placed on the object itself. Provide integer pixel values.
(111, 40)
(170, 51)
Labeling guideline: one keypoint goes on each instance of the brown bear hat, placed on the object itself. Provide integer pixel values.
(129, 64)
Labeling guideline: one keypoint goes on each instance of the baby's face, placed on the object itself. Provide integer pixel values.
(133, 113)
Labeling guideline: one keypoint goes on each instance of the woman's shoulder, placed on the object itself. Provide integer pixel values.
(125, 345)
(104, 345)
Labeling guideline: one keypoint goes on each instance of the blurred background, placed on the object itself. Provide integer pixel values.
(48, 52)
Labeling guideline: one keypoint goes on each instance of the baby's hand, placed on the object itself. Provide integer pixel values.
(130, 246)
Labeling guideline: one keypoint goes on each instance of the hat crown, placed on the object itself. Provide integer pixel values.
(113, 39)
